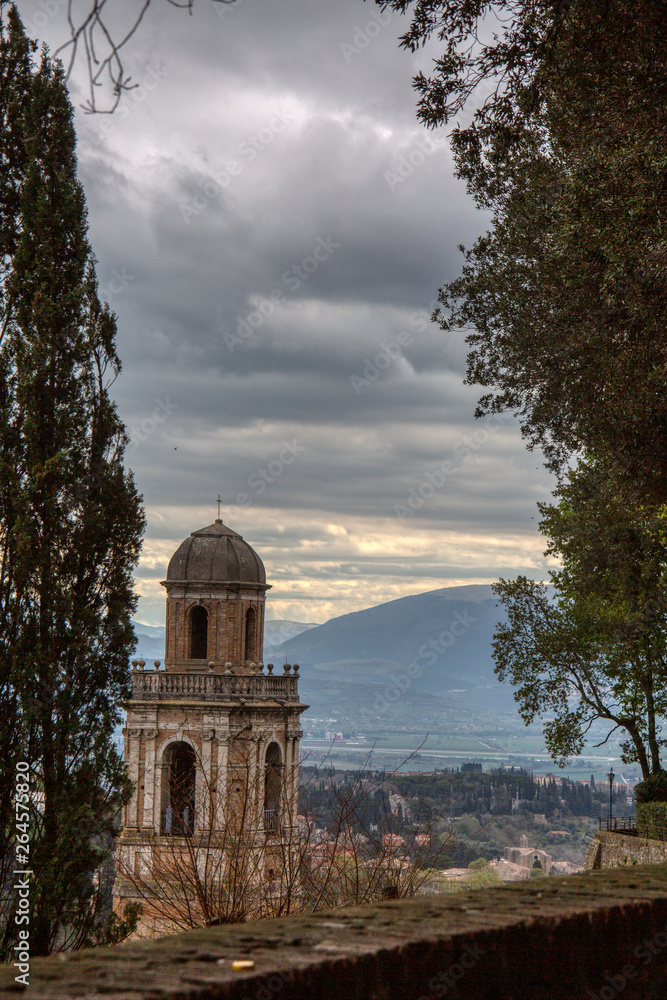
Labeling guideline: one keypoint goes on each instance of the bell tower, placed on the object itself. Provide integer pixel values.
(216, 587)
(211, 743)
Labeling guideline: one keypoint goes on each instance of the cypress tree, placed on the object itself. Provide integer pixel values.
(70, 516)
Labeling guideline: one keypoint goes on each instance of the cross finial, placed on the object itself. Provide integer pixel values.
(219, 503)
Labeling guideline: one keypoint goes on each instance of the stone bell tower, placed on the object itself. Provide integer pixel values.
(211, 740)
(216, 588)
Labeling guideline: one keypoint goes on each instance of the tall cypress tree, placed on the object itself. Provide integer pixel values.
(70, 517)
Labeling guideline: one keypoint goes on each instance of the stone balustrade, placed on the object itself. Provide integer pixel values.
(158, 685)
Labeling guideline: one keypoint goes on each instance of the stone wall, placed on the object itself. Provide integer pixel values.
(594, 935)
(614, 850)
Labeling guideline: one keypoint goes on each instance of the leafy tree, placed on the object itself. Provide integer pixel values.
(595, 649)
(70, 517)
(564, 298)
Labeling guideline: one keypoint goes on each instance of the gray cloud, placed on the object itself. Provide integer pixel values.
(272, 226)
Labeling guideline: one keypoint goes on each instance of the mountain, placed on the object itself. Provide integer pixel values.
(279, 631)
(150, 642)
(418, 653)
(416, 661)
(150, 638)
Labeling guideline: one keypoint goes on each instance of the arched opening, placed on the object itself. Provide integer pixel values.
(273, 773)
(198, 633)
(180, 771)
(250, 633)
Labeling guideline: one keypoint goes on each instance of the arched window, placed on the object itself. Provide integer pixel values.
(250, 633)
(178, 818)
(198, 633)
(273, 773)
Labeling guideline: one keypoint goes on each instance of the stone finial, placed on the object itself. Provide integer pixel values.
(253, 667)
(260, 668)
(287, 668)
(269, 668)
(295, 668)
(134, 664)
(228, 668)
(142, 664)
(156, 664)
(211, 666)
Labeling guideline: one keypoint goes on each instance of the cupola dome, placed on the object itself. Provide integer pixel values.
(216, 554)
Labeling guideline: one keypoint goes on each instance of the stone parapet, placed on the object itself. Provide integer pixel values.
(612, 850)
(160, 685)
(596, 935)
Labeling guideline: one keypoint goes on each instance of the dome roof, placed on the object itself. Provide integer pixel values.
(215, 554)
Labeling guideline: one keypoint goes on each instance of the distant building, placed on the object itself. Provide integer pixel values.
(527, 856)
(211, 741)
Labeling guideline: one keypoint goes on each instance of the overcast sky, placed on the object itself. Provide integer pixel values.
(272, 225)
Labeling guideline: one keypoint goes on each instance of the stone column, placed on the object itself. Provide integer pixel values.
(148, 820)
(293, 779)
(134, 746)
(255, 782)
(204, 809)
(221, 795)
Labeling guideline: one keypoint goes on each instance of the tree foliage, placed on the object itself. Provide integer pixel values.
(564, 298)
(595, 649)
(70, 516)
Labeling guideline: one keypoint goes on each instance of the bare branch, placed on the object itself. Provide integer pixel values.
(91, 35)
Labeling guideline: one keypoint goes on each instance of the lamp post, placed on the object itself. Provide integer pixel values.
(611, 786)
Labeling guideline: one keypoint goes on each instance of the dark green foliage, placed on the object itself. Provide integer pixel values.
(652, 820)
(653, 788)
(564, 299)
(70, 517)
(596, 650)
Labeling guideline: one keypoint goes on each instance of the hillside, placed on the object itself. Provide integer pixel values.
(424, 652)
(422, 660)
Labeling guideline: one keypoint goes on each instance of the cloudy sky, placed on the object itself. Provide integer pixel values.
(272, 225)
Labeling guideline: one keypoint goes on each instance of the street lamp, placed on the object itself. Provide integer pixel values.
(611, 786)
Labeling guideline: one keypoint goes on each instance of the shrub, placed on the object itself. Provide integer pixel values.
(652, 820)
(653, 788)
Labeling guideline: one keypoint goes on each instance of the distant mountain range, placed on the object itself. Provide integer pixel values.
(278, 632)
(150, 638)
(426, 652)
(415, 659)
